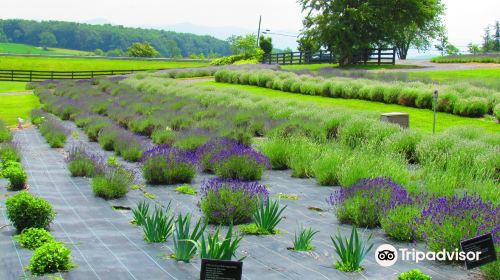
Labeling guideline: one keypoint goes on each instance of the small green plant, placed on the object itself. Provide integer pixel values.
(112, 161)
(82, 167)
(49, 258)
(414, 274)
(268, 215)
(185, 239)
(215, 249)
(32, 238)
(113, 184)
(350, 252)
(287, 196)
(186, 189)
(16, 175)
(302, 241)
(8, 152)
(140, 212)
(159, 225)
(5, 134)
(253, 229)
(26, 210)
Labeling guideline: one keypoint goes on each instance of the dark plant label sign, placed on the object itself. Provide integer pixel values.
(483, 244)
(220, 270)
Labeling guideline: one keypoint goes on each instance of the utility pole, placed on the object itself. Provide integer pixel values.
(258, 31)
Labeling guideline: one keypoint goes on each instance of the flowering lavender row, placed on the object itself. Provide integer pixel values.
(249, 188)
(80, 151)
(171, 154)
(442, 221)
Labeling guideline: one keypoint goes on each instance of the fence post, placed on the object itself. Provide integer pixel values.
(291, 58)
(51, 75)
(92, 74)
(12, 75)
(112, 72)
(31, 75)
(72, 77)
(300, 57)
(379, 54)
(393, 56)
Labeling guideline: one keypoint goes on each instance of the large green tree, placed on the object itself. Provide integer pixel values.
(348, 26)
(266, 44)
(142, 50)
(243, 45)
(47, 39)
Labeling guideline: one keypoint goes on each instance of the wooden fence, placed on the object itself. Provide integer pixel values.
(38, 76)
(368, 56)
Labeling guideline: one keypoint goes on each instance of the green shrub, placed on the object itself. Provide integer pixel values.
(54, 132)
(82, 167)
(491, 271)
(33, 238)
(112, 184)
(471, 107)
(8, 152)
(496, 111)
(277, 151)
(408, 97)
(241, 167)
(49, 258)
(230, 202)
(36, 117)
(16, 175)
(374, 164)
(162, 170)
(405, 143)
(28, 211)
(163, 136)
(302, 153)
(5, 134)
(414, 274)
(191, 142)
(107, 137)
(326, 167)
(400, 222)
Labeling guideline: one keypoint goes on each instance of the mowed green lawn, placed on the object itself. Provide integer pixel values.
(86, 64)
(14, 105)
(420, 119)
(12, 86)
(316, 67)
(28, 49)
(487, 77)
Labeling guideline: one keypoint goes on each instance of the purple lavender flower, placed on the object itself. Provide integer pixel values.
(250, 188)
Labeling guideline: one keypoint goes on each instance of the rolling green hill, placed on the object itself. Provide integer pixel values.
(28, 49)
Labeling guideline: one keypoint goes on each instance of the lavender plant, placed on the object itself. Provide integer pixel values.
(363, 203)
(230, 201)
(168, 165)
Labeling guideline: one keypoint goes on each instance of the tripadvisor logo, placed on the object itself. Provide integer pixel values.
(387, 255)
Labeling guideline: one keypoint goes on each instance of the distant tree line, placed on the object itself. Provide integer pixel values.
(113, 40)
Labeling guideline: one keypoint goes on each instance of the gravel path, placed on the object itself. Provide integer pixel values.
(426, 65)
(105, 246)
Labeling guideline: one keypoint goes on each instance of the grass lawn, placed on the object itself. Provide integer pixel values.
(420, 119)
(488, 77)
(83, 64)
(17, 105)
(12, 86)
(28, 49)
(316, 67)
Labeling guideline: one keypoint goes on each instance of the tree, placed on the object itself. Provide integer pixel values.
(348, 26)
(496, 37)
(47, 39)
(143, 49)
(488, 42)
(243, 45)
(444, 46)
(473, 48)
(420, 38)
(307, 43)
(266, 44)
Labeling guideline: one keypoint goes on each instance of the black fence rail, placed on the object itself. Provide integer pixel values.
(38, 76)
(368, 56)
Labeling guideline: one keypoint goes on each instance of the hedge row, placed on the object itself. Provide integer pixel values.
(470, 102)
(467, 59)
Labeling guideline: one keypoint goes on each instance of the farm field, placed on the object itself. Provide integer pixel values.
(419, 119)
(87, 64)
(17, 105)
(14, 48)
(12, 86)
(166, 153)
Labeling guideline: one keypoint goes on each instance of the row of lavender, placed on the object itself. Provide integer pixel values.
(166, 164)
(10, 160)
